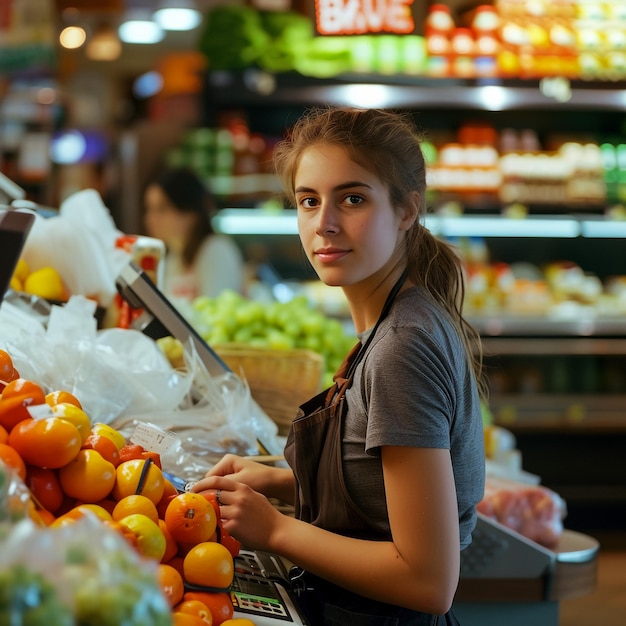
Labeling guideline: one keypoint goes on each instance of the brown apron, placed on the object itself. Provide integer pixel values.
(313, 450)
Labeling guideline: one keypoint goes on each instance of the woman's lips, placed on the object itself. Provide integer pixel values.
(328, 255)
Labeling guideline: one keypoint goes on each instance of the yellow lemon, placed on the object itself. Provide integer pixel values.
(45, 283)
(16, 284)
(21, 270)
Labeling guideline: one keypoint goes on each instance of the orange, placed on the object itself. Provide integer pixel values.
(105, 446)
(209, 564)
(11, 458)
(48, 442)
(238, 621)
(4, 435)
(171, 547)
(220, 604)
(88, 477)
(150, 540)
(45, 487)
(7, 369)
(15, 399)
(135, 503)
(108, 431)
(190, 518)
(197, 608)
(61, 396)
(186, 619)
(128, 477)
(171, 583)
(74, 415)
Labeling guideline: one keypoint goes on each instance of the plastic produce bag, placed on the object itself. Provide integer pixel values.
(80, 244)
(534, 511)
(218, 416)
(77, 575)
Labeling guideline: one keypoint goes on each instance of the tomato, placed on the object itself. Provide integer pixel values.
(4, 435)
(45, 486)
(132, 451)
(87, 477)
(11, 458)
(15, 399)
(49, 442)
(7, 369)
(105, 446)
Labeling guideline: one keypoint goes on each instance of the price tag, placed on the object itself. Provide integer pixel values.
(153, 438)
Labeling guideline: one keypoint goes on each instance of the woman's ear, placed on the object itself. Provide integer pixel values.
(410, 211)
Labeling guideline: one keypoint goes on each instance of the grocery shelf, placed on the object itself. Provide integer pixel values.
(567, 412)
(535, 326)
(260, 88)
(555, 346)
(235, 221)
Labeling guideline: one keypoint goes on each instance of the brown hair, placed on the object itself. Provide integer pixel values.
(387, 143)
(189, 194)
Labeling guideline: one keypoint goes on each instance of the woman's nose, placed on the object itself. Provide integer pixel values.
(327, 220)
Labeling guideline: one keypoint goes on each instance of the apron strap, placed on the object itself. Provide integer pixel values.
(345, 373)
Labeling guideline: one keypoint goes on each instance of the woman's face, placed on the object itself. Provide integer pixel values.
(348, 227)
(163, 220)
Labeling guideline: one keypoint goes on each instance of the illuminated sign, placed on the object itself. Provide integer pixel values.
(361, 17)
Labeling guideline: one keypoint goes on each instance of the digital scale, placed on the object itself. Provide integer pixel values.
(260, 590)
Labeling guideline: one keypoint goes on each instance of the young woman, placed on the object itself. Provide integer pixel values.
(198, 262)
(387, 466)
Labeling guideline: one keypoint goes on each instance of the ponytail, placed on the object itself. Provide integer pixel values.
(434, 264)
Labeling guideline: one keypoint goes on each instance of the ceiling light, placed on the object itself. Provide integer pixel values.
(104, 45)
(178, 16)
(139, 28)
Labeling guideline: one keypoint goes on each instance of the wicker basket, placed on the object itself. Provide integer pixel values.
(279, 380)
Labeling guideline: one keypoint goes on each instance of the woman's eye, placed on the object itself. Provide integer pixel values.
(307, 203)
(354, 199)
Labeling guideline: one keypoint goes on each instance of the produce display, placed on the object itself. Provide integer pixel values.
(232, 318)
(169, 558)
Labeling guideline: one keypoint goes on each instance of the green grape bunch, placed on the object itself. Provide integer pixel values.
(296, 324)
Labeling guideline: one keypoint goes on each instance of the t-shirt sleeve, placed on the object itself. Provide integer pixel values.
(410, 390)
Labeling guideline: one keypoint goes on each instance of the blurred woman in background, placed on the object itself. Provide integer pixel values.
(199, 261)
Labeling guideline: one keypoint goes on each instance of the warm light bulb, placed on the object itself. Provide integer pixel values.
(72, 37)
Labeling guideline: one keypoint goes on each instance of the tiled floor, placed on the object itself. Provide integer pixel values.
(607, 604)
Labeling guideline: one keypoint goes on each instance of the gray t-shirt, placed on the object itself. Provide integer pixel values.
(414, 387)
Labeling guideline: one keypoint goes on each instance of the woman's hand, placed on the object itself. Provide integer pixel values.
(273, 482)
(246, 514)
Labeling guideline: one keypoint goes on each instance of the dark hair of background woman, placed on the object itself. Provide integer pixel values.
(186, 191)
